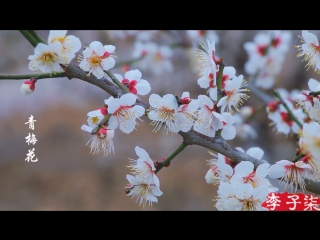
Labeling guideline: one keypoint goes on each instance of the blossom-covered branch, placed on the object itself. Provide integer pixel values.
(192, 137)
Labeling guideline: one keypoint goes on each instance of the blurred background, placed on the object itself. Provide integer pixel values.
(68, 177)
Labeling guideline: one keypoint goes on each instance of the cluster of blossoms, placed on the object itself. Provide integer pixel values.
(305, 166)
(173, 113)
(121, 112)
(232, 85)
(151, 55)
(298, 112)
(154, 57)
(143, 182)
(266, 55)
(102, 139)
(60, 49)
(279, 112)
(181, 114)
(241, 186)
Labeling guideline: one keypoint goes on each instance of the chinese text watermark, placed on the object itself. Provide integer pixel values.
(31, 139)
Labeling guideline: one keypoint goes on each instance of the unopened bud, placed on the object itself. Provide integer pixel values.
(272, 106)
(28, 86)
(185, 100)
(102, 133)
(125, 68)
(168, 164)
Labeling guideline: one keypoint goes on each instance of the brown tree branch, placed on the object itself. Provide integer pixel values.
(192, 137)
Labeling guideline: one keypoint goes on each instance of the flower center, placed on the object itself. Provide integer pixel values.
(262, 49)
(95, 120)
(144, 190)
(123, 113)
(95, 60)
(166, 114)
(158, 57)
(229, 94)
(48, 57)
(276, 41)
(272, 106)
(248, 205)
(316, 48)
(286, 118)
(131, 85)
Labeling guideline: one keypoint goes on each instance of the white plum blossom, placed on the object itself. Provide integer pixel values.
(311, 139)
(124, 113)
(291, 96)
(292, 174)
(314, 111)
(209, 81)
(155, 58)
(259, 46)
(209, 121)
(273, 42)
(310, 50)
(144, 192)
(310, 103)
(228, 131)
(144, 167)
(226, 171)
(164, 111)
(188, 107)
(308, 157)
(233, 94)
(133, 81)
(244, 171)
(211, 175)
(282, 120)
(46, 58)
(102, 140)
(70, 44)
(214, 175)
(304, 99)
(94, 117)
(97, 58)
(206, 58)
(266, 56)
(241, 198)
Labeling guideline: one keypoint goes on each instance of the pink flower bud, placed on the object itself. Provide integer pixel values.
(28, 86)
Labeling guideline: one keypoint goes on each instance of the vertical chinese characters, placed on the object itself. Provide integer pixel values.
(31, 139)
(31, 122)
